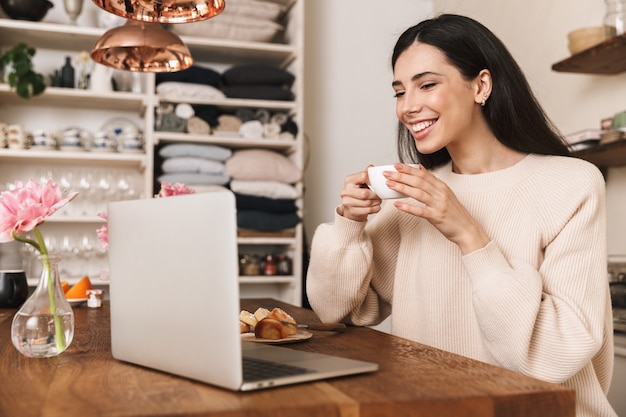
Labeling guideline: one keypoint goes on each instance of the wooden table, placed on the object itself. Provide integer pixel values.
(413, 380)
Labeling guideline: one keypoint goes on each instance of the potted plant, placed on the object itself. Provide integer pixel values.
(18, 66)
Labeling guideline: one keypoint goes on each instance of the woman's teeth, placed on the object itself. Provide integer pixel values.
(422, 125)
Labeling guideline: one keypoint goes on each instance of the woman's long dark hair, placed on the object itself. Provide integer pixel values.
(512, 111)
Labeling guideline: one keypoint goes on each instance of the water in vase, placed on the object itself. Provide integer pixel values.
(34, 335)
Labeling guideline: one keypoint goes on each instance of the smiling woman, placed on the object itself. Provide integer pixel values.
(498, 250)
(508, 105)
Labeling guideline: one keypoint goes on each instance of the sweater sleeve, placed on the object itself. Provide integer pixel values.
(339, 278)
(548, 322)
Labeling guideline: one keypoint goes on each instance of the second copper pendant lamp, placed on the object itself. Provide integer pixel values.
(142, 45)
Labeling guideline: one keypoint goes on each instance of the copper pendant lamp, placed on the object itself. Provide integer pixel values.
(163, 11)
(142, 47)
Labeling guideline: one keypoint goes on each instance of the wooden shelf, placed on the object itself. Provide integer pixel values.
(228, 141)
(265, 279)
(57, 36)
(609, 155)
(113, 159)
(77, 98)
(607, 58)
(232, 103)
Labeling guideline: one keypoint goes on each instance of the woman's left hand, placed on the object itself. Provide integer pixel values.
(440, 207)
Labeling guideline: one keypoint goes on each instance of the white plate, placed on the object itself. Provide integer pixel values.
(298, 337)
(75, 302)
(119, 126)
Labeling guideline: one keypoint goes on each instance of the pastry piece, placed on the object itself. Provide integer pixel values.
(248, 318)
(244, 327)
(261, 313)
(270, 328)
(284, 317)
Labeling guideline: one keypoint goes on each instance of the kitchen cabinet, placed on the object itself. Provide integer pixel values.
(60, 107)
(607, 58)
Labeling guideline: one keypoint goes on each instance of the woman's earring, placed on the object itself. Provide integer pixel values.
(482, 103)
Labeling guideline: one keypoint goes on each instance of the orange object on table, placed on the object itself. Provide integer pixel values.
(79, 290)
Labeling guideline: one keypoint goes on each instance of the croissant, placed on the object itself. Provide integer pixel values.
(270, 328)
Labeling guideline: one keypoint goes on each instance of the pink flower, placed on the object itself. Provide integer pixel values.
(22, 210)
(169, 190)
(103, 232)
(27, 206)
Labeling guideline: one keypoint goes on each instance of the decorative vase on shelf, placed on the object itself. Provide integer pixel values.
(67, 73)
(44, 326)
(73, 8)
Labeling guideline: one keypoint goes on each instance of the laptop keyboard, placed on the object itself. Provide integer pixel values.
(258, 370)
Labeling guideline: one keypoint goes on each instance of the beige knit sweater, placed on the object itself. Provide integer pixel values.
(535, 300)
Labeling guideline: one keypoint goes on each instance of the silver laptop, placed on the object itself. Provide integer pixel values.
(174, 295)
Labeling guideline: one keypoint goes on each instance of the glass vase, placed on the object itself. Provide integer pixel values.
(44, 326)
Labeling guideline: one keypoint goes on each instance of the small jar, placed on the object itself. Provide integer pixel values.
(615, 16)
(94, 298)
(250, 266)
(270, 267)
(284, 264)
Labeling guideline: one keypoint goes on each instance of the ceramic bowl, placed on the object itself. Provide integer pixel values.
(585, 38)
(33, 10)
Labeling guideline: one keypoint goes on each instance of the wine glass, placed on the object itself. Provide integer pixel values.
(66, 182)
(73, 8)
(85, 188)
(105, 190)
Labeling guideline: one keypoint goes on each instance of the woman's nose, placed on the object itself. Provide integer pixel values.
(410, 104)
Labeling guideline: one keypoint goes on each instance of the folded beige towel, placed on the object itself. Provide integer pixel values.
(228, 123)
(198, 126)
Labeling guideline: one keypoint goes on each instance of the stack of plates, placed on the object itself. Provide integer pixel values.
(611, 136)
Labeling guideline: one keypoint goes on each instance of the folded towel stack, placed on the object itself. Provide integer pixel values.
(196, 82)
(194, 164)
(244, 20)
(257, 124)
(262, 181)
(261, 82)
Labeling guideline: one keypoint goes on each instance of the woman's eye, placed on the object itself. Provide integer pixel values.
(427, 86)
(398, 94)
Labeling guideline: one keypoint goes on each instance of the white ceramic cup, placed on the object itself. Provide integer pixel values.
(43, 139)
(103, 142)
(377, 181)
(16, 137)
(4, 130)
(71, 138)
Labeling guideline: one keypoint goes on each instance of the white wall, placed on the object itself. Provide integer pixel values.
(349, 106)
(350, 118)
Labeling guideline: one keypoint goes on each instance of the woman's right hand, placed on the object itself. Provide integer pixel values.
(357, 200)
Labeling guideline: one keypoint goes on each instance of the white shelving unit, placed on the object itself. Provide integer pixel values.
(61, 107)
